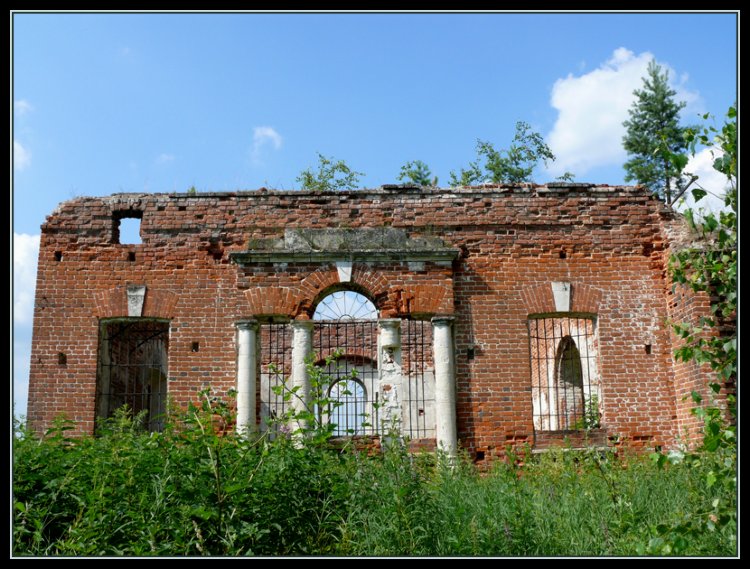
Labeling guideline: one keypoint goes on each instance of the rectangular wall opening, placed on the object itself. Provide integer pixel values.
(132, 369)
(126, 227)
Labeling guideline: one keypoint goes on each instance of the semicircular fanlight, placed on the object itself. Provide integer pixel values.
(345, 305)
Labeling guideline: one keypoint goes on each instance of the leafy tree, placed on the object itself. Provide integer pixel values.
(467, 177)
(653, 134)
(566, 177)
(332, 175)
(507, 166)
(417, 172)
(711, 268)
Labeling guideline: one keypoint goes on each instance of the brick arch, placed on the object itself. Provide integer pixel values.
(538, 299)
(325, 280)
(359, 354)
(425, 299)
(273, 301)
(392, 301)
(113, 303)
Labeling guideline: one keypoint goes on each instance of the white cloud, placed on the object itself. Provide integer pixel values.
(164, 158)
(22, 106)
(25, 256)
(21, 156)
(592, 107)
(21, 360)
(711, 180)
(263, 136)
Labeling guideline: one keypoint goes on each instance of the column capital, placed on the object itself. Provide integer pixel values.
(303, 324)
(443, 320)
(247, 324)
(389, 322)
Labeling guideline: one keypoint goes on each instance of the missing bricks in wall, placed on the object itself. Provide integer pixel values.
(126, 227)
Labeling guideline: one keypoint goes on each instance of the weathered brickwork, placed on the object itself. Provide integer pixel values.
(210, 260)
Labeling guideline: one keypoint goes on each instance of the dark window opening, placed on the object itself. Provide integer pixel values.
(58, 256)
(132, 369)
(126, 227)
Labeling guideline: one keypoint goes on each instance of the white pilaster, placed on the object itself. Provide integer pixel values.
(302, 341)
(445, 385)
(389, 371)
(247, 360)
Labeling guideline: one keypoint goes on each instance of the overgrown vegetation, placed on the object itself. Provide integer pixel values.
(417, 172)
(194, 490)
(710, 268)
(331, 175)
(507, 166)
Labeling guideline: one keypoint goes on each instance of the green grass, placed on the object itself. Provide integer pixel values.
(190, 491)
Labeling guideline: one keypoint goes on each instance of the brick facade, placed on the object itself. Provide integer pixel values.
(210, 260)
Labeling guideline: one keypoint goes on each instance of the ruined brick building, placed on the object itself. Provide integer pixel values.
(480, 316)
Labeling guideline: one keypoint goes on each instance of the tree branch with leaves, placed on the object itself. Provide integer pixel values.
(332, 175)
(507, 166)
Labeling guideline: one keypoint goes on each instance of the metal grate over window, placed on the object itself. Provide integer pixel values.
(418, 408)
(352, 379)
(565, 386)
(133, 369)
(275, 372)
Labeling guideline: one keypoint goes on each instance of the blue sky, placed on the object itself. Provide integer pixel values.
(106, 103)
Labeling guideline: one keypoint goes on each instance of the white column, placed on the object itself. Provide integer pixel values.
(445, 384)
(247, 338)
(389, 372)
(302, 341)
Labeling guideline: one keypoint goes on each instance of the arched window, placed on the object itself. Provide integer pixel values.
(569, 378)
(348, 407)
(345, 305)
(351, 384)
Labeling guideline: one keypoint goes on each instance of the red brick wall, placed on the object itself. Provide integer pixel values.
(609, 242)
